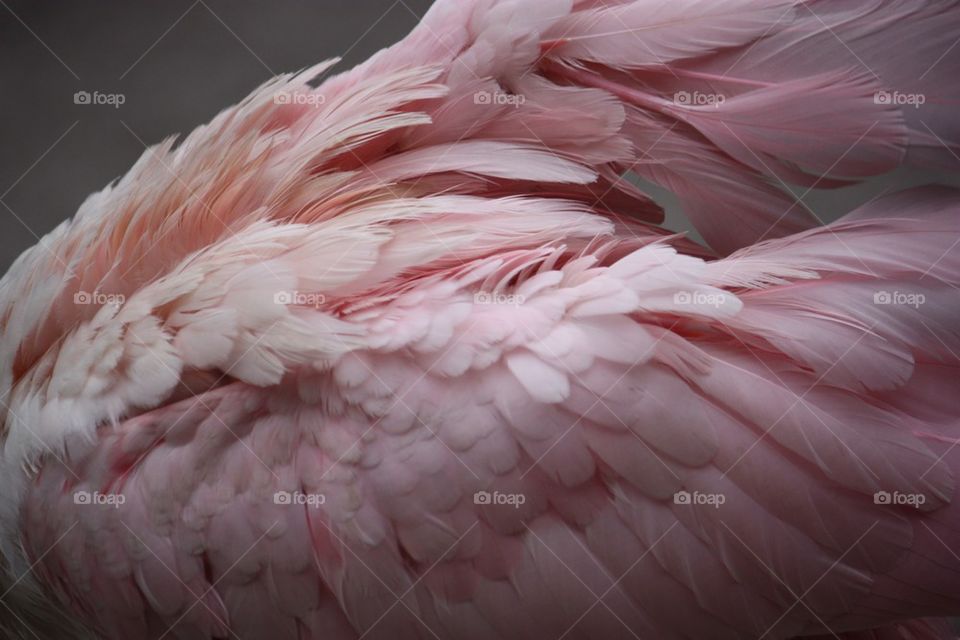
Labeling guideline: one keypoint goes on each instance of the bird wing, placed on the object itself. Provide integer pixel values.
(724, 103)
(394, 356)
(599, 443)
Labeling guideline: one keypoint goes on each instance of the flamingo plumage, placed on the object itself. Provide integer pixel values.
(403, 354)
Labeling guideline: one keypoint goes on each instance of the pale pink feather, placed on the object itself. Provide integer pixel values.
(429, 283)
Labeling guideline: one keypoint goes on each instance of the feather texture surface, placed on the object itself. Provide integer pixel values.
(404, 355)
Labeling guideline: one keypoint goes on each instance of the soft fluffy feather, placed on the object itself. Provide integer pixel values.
(430, 280)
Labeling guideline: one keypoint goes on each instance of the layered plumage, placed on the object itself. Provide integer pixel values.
(403, 354)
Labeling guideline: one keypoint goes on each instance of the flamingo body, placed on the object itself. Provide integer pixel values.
(402, 355)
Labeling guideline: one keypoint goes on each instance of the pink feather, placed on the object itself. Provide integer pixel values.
(410, 360)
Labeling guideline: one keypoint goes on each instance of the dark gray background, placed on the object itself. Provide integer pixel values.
(177, 62)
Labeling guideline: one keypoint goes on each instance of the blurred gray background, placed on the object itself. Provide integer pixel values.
(177, 63)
